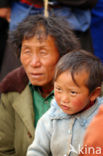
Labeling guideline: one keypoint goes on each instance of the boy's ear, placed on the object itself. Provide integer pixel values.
(95, 94)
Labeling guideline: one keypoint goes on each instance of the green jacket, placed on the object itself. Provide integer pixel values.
(16, 122)
(16, 114)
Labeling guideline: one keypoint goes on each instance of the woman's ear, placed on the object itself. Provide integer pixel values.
(95, 94)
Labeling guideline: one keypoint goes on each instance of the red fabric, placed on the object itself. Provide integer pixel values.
(94, 135)
(47, 90)
(29, 3)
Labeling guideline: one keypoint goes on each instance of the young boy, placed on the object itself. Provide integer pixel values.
(77, 84)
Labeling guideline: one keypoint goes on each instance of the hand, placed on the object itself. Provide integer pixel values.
(5, 13)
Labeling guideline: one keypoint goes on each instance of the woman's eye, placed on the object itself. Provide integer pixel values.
(43, 52)
(27, 51)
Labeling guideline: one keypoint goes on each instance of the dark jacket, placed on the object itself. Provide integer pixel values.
(6, 3)
(72, 3)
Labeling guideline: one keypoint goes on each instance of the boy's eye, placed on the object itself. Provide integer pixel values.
(73, 92)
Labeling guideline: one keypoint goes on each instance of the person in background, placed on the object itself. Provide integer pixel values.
(93, 140)
(77, 84)
(4, 27)
(97, 29)
(3, 38)
(77, 13)
(27, 91)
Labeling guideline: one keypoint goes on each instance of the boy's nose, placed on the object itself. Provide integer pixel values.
(65, 98)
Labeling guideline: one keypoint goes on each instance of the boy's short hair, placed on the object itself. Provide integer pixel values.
(76, 61)
(57, 27)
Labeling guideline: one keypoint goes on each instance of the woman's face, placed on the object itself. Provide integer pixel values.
(39, 58)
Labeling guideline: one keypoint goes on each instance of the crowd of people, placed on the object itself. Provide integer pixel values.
(77, 13)
(52, 103)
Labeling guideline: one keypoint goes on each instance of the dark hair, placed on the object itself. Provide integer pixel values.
(57, 27)
(77, 61)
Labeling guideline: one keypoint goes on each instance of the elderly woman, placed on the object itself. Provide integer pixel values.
(26, 92)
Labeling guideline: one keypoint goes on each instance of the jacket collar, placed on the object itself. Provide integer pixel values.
(57, 113)
(15, 81)
(23, 106)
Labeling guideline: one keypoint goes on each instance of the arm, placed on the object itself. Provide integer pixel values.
(5, 13)
(6, 128)
(5, 9)
(41, 143)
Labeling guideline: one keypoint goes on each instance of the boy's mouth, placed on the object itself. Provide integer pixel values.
(65, 107)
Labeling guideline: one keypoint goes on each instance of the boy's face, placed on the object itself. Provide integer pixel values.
(70, 97)
(39, 58)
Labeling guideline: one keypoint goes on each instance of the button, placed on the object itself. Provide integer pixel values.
(46, 102)
(30, 136)
(69, 131)
(83, 122)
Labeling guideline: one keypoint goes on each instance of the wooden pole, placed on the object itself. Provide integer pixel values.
(46, 14)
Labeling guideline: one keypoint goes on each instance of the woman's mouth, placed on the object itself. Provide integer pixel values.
(36, 75)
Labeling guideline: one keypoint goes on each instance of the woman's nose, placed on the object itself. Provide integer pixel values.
(35, 61)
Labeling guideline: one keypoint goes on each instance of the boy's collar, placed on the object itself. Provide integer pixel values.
(89, 105)
(57, 113)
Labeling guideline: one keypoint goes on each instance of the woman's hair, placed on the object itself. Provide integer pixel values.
(79, 60)
(39, 25)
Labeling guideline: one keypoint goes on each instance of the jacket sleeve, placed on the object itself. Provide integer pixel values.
(41, 143)
(6, 128)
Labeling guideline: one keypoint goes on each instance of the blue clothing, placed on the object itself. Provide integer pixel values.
(57, 133)
(79, 19)
(20, 11)
(97, 29)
